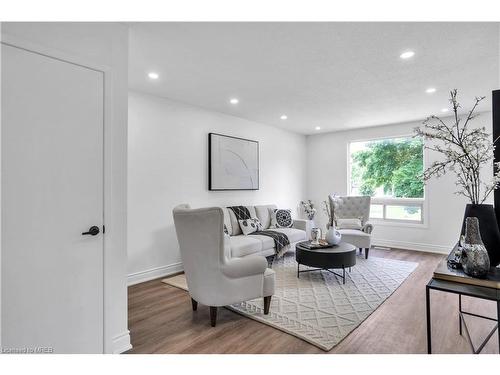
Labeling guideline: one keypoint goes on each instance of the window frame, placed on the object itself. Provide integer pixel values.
(418, 202)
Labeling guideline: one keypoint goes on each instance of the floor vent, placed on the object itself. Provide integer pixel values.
(381, 247)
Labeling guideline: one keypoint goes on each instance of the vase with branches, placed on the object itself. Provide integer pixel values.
(466, 151)
(308, 208)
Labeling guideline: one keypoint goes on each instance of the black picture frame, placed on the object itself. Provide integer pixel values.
(210, 163)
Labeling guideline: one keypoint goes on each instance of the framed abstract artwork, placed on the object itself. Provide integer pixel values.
(233, 163)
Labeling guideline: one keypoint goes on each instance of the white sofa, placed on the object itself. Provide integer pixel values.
(242, 246)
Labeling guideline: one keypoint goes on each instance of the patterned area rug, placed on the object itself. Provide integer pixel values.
(318, 308)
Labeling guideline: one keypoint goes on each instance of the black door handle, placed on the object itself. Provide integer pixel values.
(93, 231)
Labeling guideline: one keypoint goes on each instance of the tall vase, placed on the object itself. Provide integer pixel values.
(488, 229)
(475, 260)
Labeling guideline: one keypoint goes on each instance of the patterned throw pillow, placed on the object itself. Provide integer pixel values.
(250, 225)
(281, 218)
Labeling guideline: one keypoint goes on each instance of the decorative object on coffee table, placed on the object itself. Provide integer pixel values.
(333, 236)
(341, 257)
(322, 244)
(308, 226)
(315, 235)
(474, 258)
(465, 151)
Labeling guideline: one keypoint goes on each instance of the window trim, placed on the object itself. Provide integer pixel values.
(414, 202)
(420, 202)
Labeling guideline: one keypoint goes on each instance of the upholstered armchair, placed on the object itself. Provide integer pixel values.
(352, 208)
(213, 277)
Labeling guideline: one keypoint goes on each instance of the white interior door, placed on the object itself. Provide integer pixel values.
(52, 191)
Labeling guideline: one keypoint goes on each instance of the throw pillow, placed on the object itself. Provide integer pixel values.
(281, 218)
(250, 225)
(349, 224)
(225, 230)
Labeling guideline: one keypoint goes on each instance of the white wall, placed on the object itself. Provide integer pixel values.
(168, 161)
(327, 156)
(0, 194)
(103, 44)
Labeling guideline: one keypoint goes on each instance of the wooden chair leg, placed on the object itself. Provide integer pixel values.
(194, 304)
(213, 315)
(366, 252)
(267, 304)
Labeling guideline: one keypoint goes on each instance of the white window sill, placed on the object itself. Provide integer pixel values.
(390, 223)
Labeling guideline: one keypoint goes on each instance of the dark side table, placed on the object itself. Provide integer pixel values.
(453, 281)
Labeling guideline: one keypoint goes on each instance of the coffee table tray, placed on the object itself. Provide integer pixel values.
(322, 245)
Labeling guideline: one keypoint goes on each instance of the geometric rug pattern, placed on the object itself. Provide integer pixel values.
(318, 308)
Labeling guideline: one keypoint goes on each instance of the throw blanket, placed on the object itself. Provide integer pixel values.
(281, 240)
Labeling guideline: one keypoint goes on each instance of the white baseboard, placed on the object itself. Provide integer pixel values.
(153, 273)
(425, 247)
(121, 343)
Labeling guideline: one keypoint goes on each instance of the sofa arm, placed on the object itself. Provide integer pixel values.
(367, 228)
(300, 224)
(242, 267)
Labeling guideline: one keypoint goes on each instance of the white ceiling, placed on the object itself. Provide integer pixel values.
(334, 75)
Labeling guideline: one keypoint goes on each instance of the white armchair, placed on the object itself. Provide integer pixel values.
(353, 207)
(213, 277)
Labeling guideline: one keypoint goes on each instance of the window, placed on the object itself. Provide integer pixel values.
(390, 171)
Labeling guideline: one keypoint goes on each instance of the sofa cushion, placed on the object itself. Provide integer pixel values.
(245, 245)
(267, 242)
(236, 230)
(349, 223)
(264, 214)
(281, 218)
(356, 237)
(294, 235)
(249, 226)
(227, 220)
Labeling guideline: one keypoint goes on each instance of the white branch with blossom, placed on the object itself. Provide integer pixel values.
(465, 152)
(309, 210)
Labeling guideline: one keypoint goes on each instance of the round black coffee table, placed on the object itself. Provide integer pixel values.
(340, 256)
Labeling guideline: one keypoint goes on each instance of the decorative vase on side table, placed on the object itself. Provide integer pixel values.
(475, 260)
(488, 229)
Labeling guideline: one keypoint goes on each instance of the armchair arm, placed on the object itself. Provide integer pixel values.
(242, 267)
(300, 224)
(367, 228)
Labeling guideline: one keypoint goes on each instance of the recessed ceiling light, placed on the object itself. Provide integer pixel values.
(283, 117)
(407, 54)
(430, 90)
(317, 128)
(444, 110)
(153, 75)
(234, 101)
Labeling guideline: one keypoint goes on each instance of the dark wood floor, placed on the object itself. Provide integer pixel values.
(161, 321)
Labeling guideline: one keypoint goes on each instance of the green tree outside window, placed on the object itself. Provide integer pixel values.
(394, 166)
